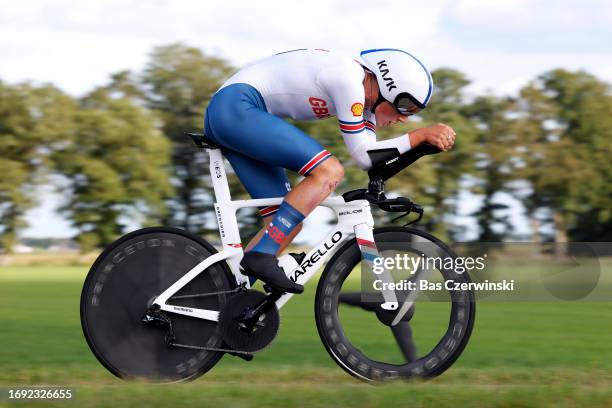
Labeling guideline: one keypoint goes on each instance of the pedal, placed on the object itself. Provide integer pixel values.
(385, 311)
(245, 357)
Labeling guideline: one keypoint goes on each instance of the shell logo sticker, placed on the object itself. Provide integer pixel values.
(357, 109)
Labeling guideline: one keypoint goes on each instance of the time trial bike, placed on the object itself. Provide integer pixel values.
(163, 304)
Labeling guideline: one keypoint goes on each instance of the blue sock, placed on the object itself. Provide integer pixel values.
(285, 220)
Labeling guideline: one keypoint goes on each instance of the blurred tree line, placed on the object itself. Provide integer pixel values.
(123, 159)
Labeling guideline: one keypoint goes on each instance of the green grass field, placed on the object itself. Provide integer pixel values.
(528, 354)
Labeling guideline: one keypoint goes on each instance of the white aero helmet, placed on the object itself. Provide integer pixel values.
(402, 79)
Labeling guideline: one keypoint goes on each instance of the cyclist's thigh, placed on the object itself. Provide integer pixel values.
(237, 119)
(260, 179)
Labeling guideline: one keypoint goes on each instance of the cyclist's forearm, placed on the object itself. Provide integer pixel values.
(401, 143)
(440, 135)
(416, 137)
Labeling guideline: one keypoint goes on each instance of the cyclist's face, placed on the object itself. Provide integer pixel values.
(386, 115)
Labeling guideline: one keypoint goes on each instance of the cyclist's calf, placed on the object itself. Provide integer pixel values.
(284, 245)
(304, 198)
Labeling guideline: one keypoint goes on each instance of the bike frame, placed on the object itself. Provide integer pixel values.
(354, 220)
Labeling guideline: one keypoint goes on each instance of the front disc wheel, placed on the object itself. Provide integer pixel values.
(371, 343)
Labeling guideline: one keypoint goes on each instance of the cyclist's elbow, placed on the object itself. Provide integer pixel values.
(362, 159)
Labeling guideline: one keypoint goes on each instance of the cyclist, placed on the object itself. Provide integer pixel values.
(244, 117)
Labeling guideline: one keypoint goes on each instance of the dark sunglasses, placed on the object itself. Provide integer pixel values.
(405, 104)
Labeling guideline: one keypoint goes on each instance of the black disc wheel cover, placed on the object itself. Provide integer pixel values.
(123, 282)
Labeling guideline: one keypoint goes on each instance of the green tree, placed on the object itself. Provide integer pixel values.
(33, 119)
(18, 145)
(118, 165)
(179, 82)
(568, 132)
(494, 159)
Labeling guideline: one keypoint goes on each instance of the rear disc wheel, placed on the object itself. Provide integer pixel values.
(121, 285)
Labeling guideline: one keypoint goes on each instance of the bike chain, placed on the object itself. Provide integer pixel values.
(200, 295)
(170, 337)
(187, 346)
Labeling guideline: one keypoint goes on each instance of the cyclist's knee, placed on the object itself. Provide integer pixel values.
(331, 171)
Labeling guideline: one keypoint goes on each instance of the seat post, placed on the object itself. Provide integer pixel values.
(225, 212)
(217, 166)
(219, 177)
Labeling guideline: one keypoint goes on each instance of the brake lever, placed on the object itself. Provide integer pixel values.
(401, 216)
(415, 208)
(399, 204)
(419, 210)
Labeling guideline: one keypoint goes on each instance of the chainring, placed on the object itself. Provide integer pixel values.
(237, 337)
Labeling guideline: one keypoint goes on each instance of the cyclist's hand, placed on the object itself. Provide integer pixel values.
(440, 135)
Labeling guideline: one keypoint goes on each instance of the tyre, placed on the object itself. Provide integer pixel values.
(363, 341)
(122, 284)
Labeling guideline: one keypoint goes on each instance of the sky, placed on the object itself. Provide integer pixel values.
(499, 44)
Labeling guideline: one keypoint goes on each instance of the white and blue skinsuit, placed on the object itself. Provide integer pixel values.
(245, 117)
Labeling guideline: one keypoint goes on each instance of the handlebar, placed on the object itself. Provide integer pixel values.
(399, 204)
(386, 163)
